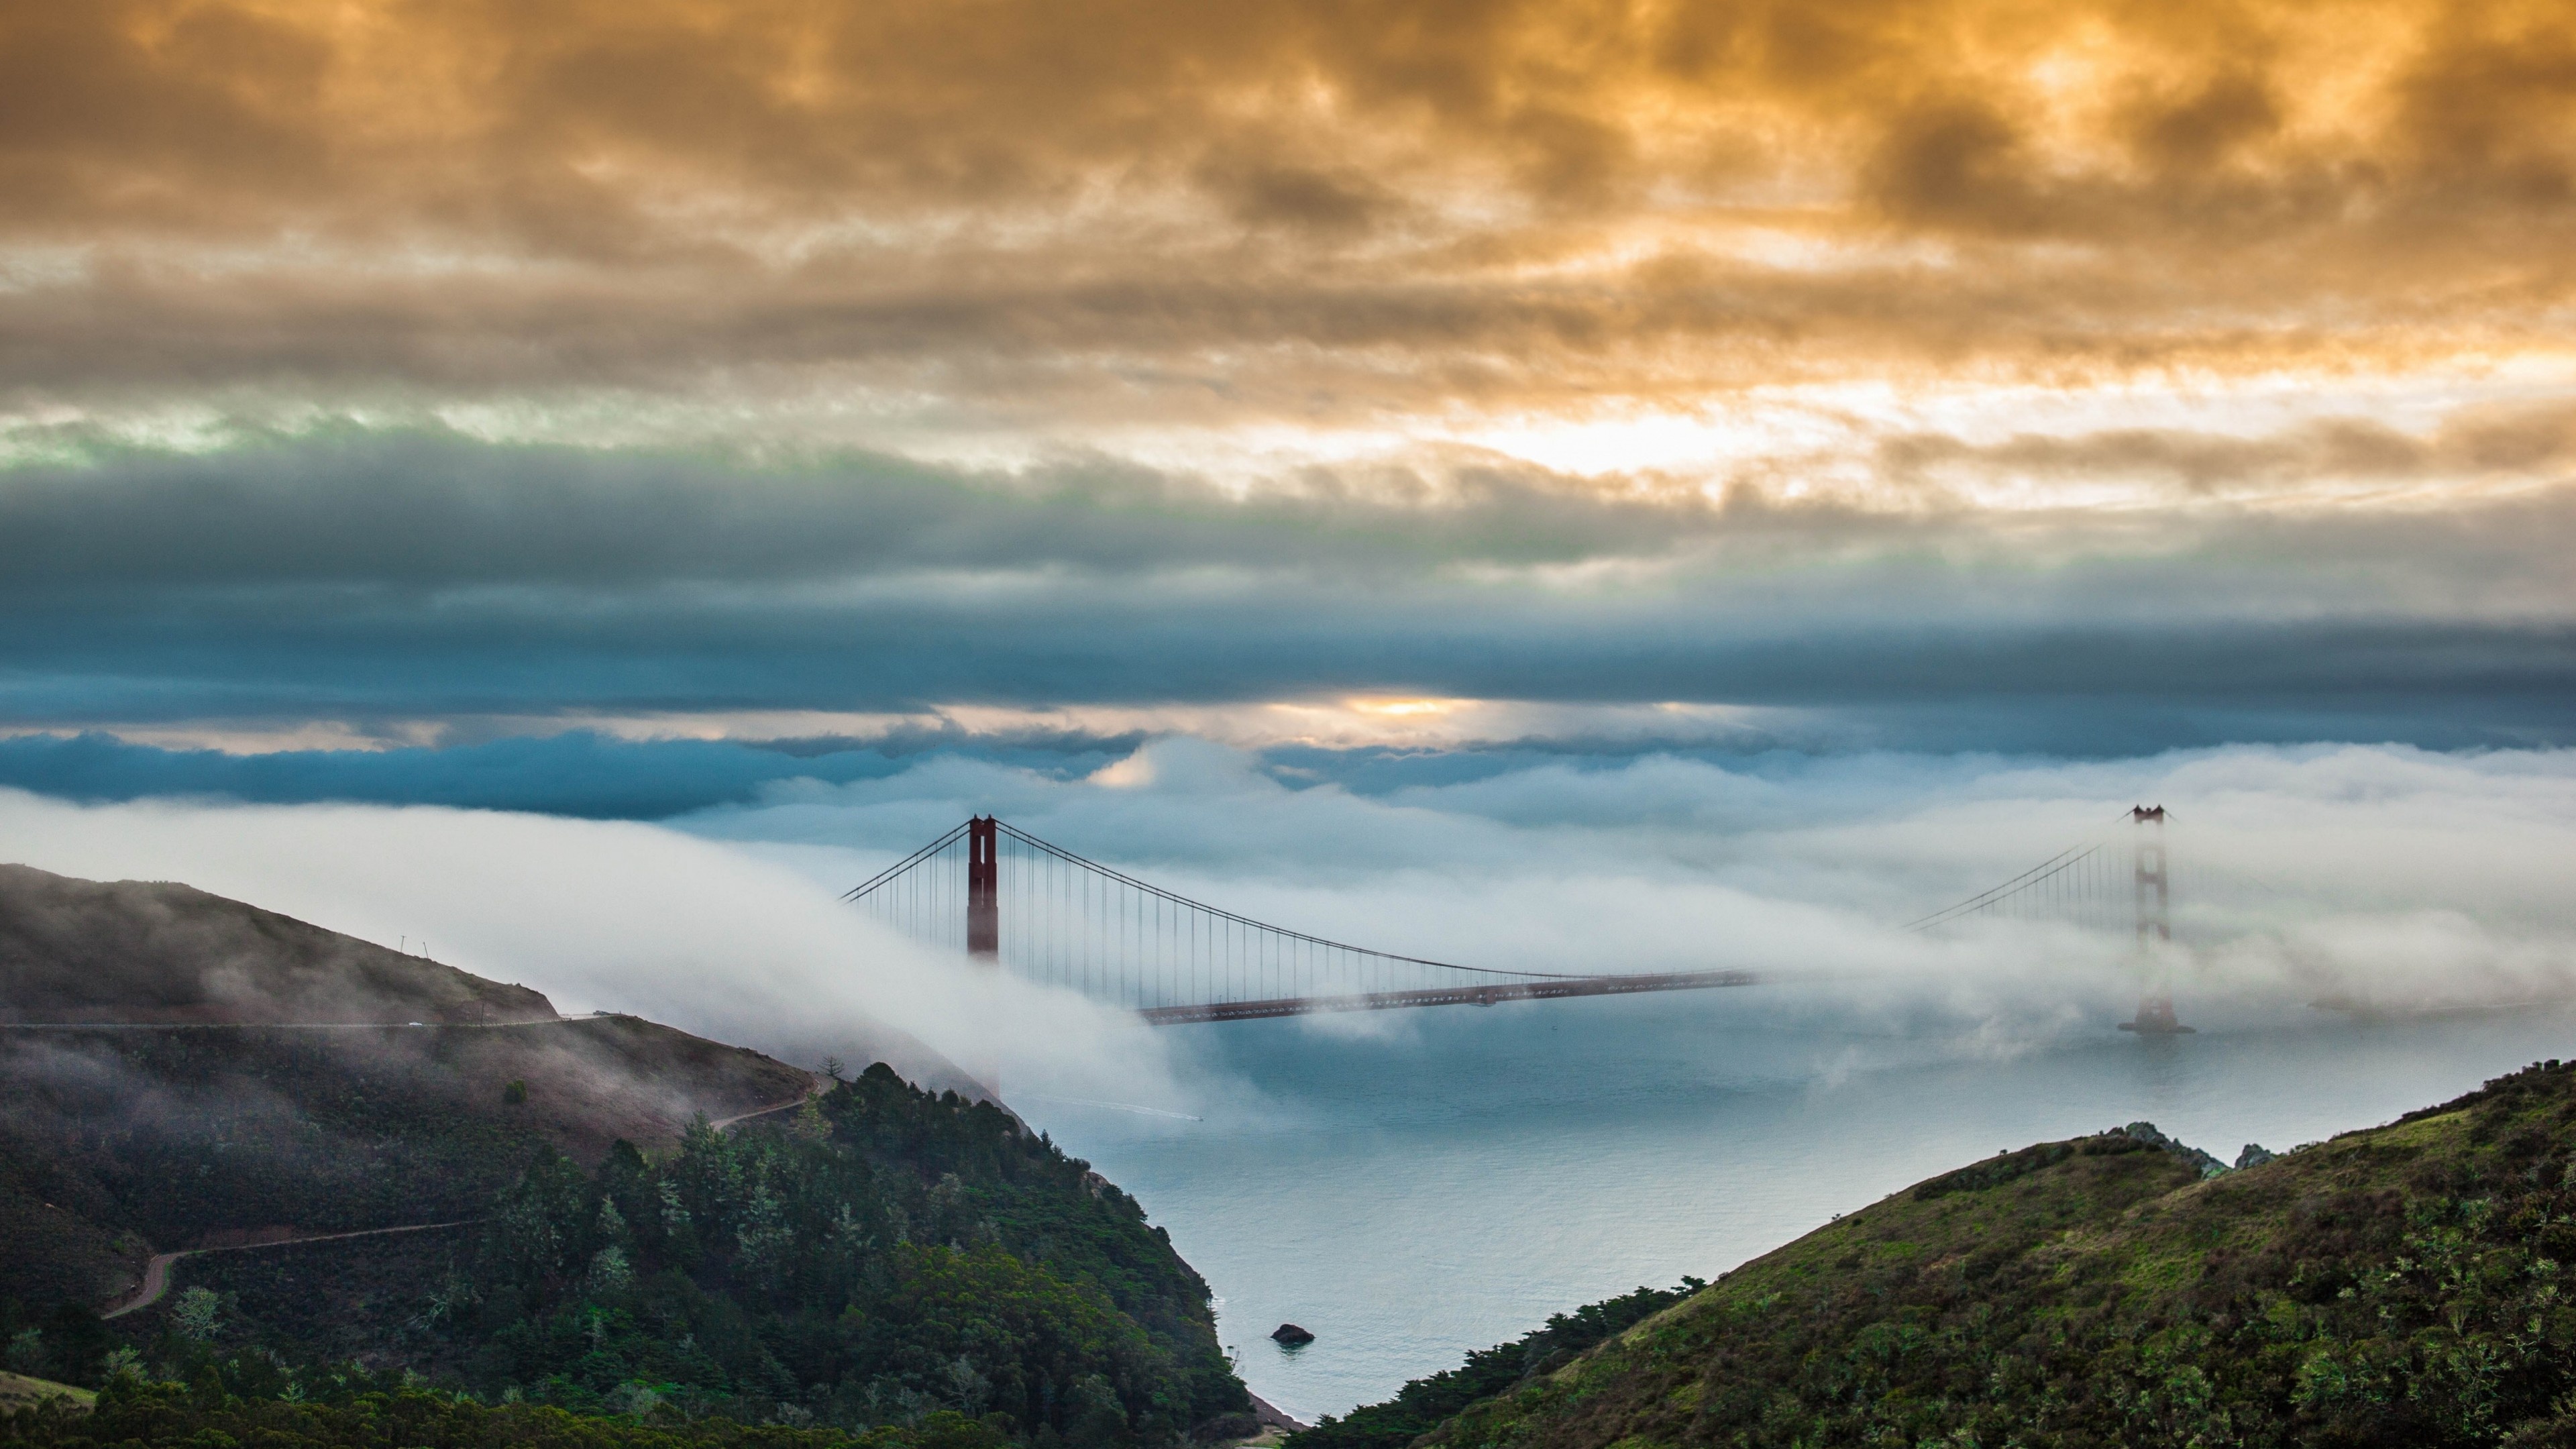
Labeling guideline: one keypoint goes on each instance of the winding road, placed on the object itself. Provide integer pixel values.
(156, 1274)
(723, 1122)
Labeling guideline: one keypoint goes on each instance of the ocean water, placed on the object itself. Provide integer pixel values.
(1413, 1186)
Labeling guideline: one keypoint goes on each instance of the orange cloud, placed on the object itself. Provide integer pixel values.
(1051, 215)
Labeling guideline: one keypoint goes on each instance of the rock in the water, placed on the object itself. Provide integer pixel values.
(2254, 1155)
(1291, 1335)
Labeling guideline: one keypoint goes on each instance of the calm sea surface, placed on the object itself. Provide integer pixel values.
(1449, 1184)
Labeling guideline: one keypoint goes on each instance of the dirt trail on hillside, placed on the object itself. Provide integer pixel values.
(156, 1281)
(797, 1101)
(156, 1274)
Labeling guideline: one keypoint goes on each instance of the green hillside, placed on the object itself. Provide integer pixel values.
(880, 1264)
(2398, 1286)
(875, 1258)
(118, 1144)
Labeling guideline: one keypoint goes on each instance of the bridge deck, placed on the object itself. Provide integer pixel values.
(1446, 996)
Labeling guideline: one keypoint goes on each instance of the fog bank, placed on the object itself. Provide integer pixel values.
(618, 917)
(2383, 878)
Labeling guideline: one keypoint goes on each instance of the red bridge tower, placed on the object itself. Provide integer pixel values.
(983, 890)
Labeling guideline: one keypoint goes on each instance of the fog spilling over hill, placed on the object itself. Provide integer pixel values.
(284, 1157)
(294, 1077)
(286, 1077)
(157, 951)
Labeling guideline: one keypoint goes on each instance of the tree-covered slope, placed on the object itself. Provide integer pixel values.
(864, 1264)
(227, 1070)
(1425, 1402)
(2398, 1286)
(877, 1258)
(118, 1144)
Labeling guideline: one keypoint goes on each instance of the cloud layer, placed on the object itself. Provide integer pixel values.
(1599, 181)
(2090, 377)
(1034, 221)
(431, 588)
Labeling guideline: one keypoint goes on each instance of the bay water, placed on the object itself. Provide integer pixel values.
(1412, 1186)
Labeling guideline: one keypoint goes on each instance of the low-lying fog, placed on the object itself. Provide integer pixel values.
(2383, 875)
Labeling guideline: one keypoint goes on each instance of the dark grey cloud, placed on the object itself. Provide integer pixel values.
(356, 577)
(441, 511)
(406, 516)
(579, 773)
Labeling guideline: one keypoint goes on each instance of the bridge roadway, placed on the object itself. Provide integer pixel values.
(1549, 990)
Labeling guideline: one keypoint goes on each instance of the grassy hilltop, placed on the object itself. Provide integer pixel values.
(2404, 1285)
(157, 951)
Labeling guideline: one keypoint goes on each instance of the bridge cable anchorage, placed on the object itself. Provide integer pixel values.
(1095, 929)
(2082, 885)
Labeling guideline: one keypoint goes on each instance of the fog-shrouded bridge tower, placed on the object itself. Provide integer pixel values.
(2102, 887)
(2152, 885)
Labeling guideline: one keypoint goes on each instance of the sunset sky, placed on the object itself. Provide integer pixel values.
(2080, 379)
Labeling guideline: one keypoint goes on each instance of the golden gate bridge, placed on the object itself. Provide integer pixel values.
(1002, 896)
